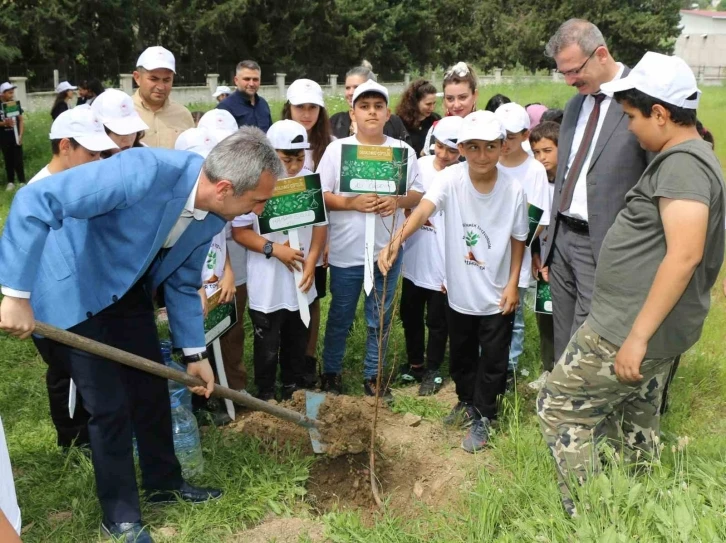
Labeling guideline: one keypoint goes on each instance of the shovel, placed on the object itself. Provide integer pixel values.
(313, 400)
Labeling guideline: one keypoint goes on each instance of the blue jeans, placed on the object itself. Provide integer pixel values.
(517, 346)
(345, 287)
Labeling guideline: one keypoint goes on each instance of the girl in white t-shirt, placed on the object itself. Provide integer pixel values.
(485, 216)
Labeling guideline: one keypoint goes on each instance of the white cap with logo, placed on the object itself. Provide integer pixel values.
(513, 117)
(115, 109)
(196, 140)
(219, 122)
(221, 89)
(370, 86)
(5, 87)
(447, 130)
(81, 124)
(157, 57)
(288, 136)
(305, 91)
(481, 125)
(64, 86)
(665, 78)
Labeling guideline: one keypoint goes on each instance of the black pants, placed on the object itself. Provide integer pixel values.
(480, 379)
(546, 341)
(279, 336)
(58, 381)
(122, 400)
(415, 303)
(13, 157)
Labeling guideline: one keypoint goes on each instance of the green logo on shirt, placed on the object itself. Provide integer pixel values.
(471, 239)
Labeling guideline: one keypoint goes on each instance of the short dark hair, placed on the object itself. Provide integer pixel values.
(249, 65)
(95, 86)
(55, 145)
(547, 130)
(370, 94)
(644, 103)
(291, 152)
(553, 115)
(496, 101)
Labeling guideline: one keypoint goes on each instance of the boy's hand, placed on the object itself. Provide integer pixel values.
(227, 288)
(365, 203)
(290, 257)
(205, 304)
(203, 370)
(510, 299)
(16, 317)
(326, 254)
(628, 360)
(387, 206)
(545, 272)
(308, 277)
(536, 265)
(387, 256)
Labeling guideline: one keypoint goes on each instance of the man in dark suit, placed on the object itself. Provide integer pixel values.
(83, 250)
(599, 162)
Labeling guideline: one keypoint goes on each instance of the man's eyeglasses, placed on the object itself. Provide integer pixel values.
(577, 71)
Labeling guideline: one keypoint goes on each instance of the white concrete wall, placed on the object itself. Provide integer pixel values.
(699, 51)
(698, 24)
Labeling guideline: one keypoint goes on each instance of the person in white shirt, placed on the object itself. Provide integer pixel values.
(280, 333)
(347, 216)
(10, 518)
(76, 137)
(485, 216)
(532, 176)
(423, 293)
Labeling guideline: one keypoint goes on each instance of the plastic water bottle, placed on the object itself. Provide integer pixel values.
(175, 389)
(187, 446)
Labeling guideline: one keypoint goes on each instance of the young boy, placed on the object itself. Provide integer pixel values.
(279, 332)
(544, 139)
(656, 268)
(76, 137)
(424, 275)
(485, 216)
(519, 165)
(347, 216)
(12, 149)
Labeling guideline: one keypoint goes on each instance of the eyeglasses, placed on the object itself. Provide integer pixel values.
(577, 71)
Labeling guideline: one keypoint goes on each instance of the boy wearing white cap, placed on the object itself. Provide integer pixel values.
(166, 119)
(657, 265)
(115, 109)
(532, 176)
(485, 217)
(424, 274)
(12, 149)
(280, 334)
(347, 217)
(221, 93)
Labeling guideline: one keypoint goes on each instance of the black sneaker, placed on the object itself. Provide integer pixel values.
(331, 382)
(370, 387)
(477, 437)
(462, 415)
(265, 395)
(288, 391)
(412, 374)
(310, 373)
(431, 384)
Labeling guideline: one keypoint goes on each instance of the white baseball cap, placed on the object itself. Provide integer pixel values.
(157, 57)
(370, 86)
(64, 86)
(81, 124)
(514, 118)
(305, 91)
(7, 86)
(115, 109)
(221, 89)
(447, 130)
(219, 122)
(196, 140)
(288, 136)
(665, 78)
(481, 125)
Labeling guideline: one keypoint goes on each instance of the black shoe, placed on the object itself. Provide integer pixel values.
(412, 374)
(370, 388)
(265, 395)
(288, 391)
(331, 382)
(462, 415)
(310, 374)
(431, 384)
(187, 493)
(216, 418)
(126, 532)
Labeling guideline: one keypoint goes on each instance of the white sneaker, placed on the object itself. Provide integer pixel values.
(11, 186)
(538, 383)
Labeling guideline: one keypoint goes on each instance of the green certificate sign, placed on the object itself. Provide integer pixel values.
(220, 317)
(543, 298)
(374, 169)
(296, 202)
(11, 109)
(535, 216)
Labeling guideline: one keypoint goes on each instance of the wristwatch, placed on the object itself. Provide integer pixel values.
(198, 357)
(267, 249)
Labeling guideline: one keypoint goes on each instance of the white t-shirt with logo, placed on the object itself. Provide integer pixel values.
(532, 176)
(42, 174)
(347, 228)
(478, 229)
(213, 269)
(8, 499)
(423, 256)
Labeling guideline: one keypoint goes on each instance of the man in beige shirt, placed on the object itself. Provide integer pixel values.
(154, 76)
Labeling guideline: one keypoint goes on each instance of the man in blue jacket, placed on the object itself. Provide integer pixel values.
(246, 106)
(83, 250)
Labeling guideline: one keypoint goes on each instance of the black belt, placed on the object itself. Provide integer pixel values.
(576, 225)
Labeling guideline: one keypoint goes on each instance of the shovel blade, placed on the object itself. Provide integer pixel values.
(313, 401)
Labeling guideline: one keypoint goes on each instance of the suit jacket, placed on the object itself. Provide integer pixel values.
(617, 163)
(80, 239)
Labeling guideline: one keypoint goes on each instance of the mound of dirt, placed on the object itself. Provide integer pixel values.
(282, 530)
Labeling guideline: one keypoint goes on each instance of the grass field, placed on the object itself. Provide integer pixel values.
(511, 495)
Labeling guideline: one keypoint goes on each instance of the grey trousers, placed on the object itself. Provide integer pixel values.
(572, 279)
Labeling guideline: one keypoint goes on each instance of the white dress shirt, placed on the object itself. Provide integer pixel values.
(578, 207)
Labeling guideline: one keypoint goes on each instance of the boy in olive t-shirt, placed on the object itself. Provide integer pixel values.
(657, 265)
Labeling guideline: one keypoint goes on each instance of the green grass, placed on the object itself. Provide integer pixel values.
(512, 497)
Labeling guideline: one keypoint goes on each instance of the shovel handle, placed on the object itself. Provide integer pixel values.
(128, 359)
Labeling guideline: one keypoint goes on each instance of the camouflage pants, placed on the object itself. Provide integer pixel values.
(583, 403)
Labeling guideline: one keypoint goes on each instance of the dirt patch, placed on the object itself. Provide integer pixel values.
(282, 530)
